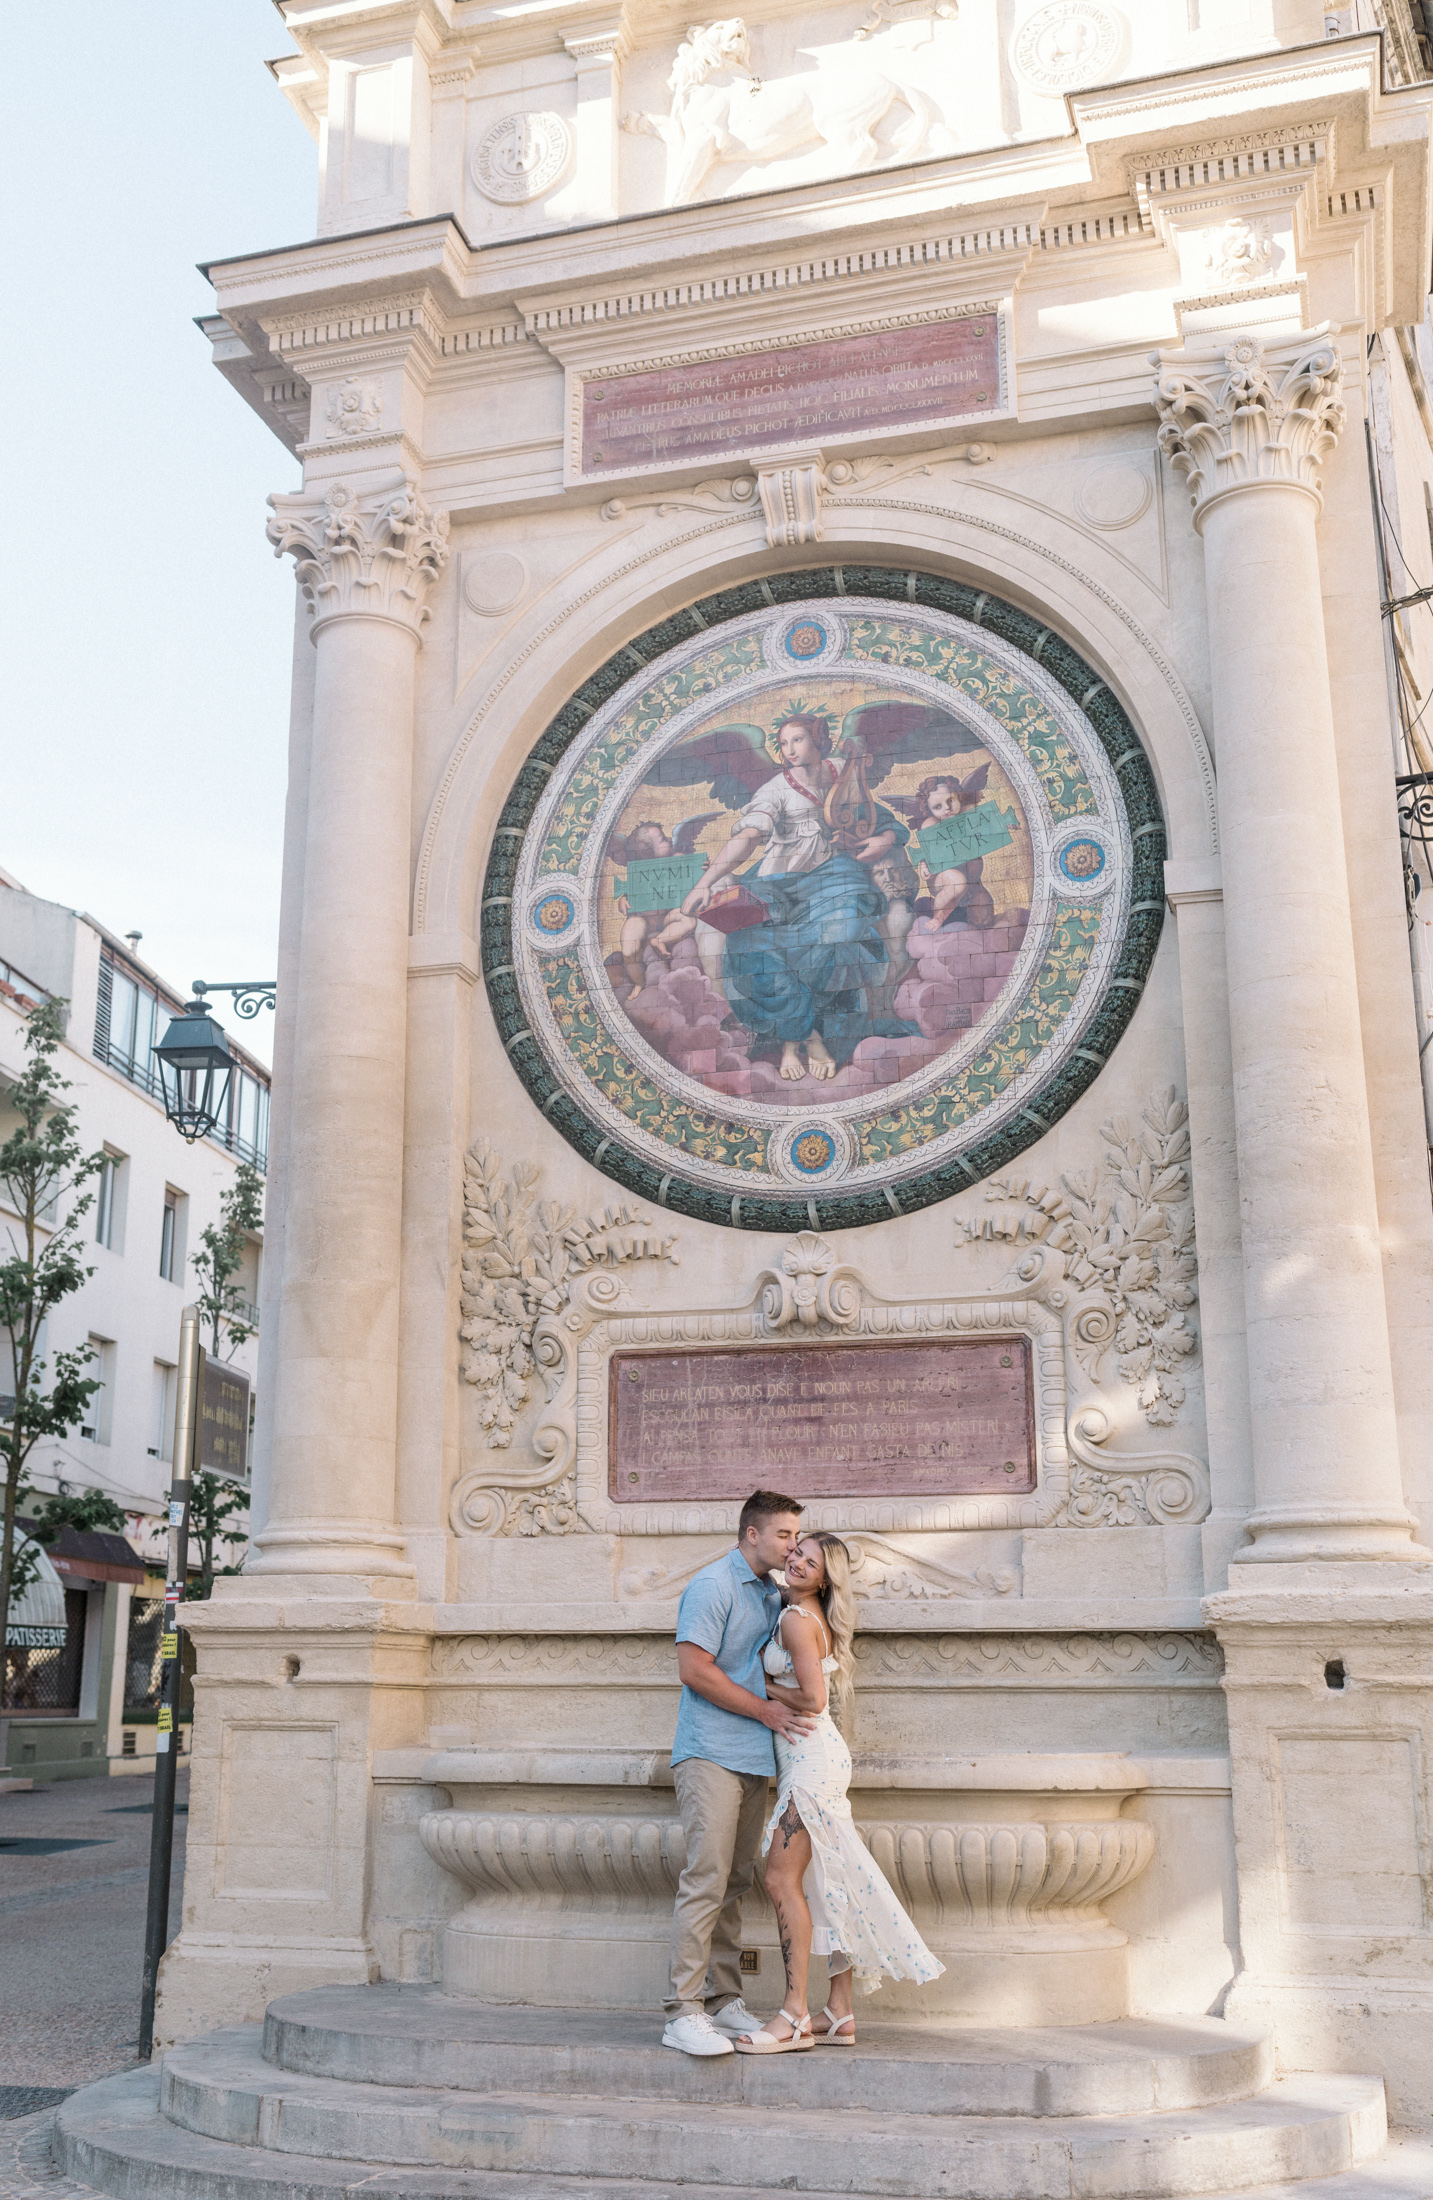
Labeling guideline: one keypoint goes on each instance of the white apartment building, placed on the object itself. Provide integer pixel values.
(87, 1706)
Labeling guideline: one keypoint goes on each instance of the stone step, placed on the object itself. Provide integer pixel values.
(418, 2036)
(220, 2088)
(111, 2138)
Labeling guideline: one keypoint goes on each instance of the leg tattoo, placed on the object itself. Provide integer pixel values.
(790, 1825)
(783, 1934)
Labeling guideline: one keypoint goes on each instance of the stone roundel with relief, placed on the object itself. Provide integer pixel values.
(825, 906)
(1066, 45)
(522, 156)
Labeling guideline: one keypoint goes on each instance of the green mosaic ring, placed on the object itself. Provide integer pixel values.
(921, 853)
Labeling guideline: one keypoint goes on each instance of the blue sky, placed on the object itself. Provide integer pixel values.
(149, 624)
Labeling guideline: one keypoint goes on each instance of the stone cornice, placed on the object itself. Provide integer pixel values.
(870, 245)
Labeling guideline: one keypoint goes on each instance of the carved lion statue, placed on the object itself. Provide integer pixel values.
(707, 47)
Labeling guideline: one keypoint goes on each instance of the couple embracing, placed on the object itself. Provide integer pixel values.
(764, 1643)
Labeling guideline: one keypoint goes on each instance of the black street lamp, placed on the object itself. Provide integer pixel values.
(196, 1068)
(195, 1071)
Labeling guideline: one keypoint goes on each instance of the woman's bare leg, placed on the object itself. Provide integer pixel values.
(786, 1864)
(838, 2000)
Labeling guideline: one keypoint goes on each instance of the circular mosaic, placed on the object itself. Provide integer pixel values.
(806, 639)
(893, 850)
(1082, 860)
(555, 913)
(812, 1152)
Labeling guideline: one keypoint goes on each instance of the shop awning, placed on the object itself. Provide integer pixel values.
(88, 1554)
(37, 1615)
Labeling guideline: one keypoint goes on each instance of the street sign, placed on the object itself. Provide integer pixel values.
(224, 1420)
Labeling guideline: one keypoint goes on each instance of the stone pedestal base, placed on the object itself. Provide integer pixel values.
(202, 1977)
(1329, 1678)
(1002, 1862)
(1001, 1979)
(294, 1687)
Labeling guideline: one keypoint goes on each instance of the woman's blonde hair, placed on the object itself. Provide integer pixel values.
(839, 1605)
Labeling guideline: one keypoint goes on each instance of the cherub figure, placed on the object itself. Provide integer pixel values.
(898, 882)
(802, 974)
(646, 840)
(938, 798)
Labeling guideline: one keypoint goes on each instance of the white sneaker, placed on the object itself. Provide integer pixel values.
(695, 2034)
(735, 2019)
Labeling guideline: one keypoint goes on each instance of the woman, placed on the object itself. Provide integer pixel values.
(852, 1917)
(809, 977)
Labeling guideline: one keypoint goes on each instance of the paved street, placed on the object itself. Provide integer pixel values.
(74, 1859)
(74, 1867)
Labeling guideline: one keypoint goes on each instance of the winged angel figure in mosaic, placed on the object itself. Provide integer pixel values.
(805, 955)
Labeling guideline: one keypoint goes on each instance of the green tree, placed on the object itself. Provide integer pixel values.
(213, 1502)
(42, 1166)
(82, 1509)
(221, 1303)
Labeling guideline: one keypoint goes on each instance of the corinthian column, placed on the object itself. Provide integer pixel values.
(1249, 430)
(365, 568)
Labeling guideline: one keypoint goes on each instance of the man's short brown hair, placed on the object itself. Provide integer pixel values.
(761, 1505)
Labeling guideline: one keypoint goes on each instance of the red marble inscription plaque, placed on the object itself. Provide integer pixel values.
(899, 378)
(861, 1420)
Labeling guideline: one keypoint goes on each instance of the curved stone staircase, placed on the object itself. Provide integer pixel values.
(402, 2091)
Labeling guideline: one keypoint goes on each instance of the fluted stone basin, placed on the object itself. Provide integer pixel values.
(1004, 1862)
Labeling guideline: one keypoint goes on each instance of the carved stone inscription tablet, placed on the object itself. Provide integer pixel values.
(862, 1420)
(893, 378)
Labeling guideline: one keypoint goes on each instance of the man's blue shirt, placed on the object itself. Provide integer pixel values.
(730, 1611)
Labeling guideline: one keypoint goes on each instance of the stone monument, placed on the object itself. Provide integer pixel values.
(1010, 423)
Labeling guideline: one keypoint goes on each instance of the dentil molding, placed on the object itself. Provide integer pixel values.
(1251, 414)
(366, 557)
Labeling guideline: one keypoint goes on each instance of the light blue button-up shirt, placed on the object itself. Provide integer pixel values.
(730, 1611)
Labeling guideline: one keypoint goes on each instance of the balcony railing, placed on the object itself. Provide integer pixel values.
(15, 981)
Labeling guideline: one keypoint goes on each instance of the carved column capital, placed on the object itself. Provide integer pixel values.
(1251, 415)
(373, 557)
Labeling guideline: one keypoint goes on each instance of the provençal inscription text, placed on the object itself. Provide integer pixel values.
(827, 1420)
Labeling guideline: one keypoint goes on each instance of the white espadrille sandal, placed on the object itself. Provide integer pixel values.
(762, 2042)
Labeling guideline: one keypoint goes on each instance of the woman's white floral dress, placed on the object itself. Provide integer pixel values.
(853, 1909)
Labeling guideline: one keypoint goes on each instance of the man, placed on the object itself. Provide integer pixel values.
(723, 1759)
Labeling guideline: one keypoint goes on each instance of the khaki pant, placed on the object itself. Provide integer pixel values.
(722, 1817)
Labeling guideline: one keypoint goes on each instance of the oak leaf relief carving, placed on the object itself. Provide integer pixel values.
(520, 1260)
(1126, 1231)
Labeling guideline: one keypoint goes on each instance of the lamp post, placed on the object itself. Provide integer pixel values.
(196, 1068)
(166, 1765)
(196, 1071)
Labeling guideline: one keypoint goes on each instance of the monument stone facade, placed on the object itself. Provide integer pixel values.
(1030, 406)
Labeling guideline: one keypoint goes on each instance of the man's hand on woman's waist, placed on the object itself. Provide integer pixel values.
(700, 1672)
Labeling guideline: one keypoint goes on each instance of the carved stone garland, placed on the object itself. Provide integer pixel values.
(1126, 1231)
(519, 1266)
(1123, 1236)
